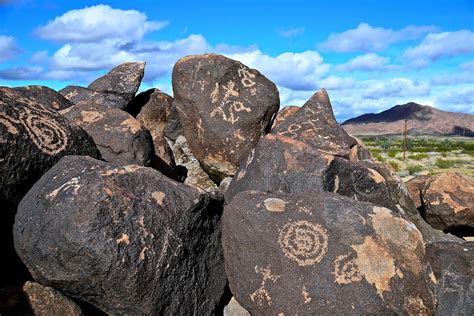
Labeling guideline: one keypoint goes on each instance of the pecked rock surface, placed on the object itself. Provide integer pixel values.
(120, 138)
(224, 108)
(125, 239)
(453, 267)
(45, 96)
(316, 125)
(448, 202)
(77, 94)
(322, 253)
(284, 113)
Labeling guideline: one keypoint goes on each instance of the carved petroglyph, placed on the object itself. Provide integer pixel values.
(73, 183)
(159, 197)
(247, 77)
(123, 239)
(261, 295)
(8, 123)
(234, 108)
(304, 242)
(132, 125)
(274, 205)
(305, 294)
(346, 270)
(377, 177)
(229, 102)
(170, 243)
(91, 116)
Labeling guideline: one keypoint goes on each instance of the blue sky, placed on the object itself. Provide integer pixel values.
(370, 55)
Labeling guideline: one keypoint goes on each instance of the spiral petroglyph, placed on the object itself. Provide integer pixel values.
(304, 242)
(47, 134)
(346, 270)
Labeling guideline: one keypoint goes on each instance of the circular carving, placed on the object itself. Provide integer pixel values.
(304, 242)
(346, 270)
(50, 137)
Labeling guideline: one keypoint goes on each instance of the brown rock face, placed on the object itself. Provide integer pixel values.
(322, 253)
(415, 186)
(284, 113)
(45, 96)
(77, 94)
(316, 125)
(120, 138)
(224, 108)
(448, 202)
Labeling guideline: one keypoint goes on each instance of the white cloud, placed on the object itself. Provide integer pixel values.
(21, 73)
(297, 71)
(8, 48)
(292, 32)
(394, 87)
(97, 23)
(440, 45)
(367, 62)
(365, 38)
(459, 100)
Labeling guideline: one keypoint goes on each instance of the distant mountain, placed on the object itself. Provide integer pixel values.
(421, 119)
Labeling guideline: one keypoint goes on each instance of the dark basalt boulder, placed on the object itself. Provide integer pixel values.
(32, 139)
(120, 138)
(125, 239)
(284, 113)
(448, 202)
(224, 108)
(77, 94)
(453, 267)
(45, 96)
(316, 125)
(322, 253)
(415, 186)
(173, 128)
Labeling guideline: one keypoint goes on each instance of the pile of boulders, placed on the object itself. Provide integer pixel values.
(121, 203)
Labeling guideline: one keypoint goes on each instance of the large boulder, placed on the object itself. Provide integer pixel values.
(45, 96)
(224, 108)
(76, 94)
(448, 202)
(415, 186)
(453, 267)
(125, 239)
(284, 113)
(120, 138)
(322, 253)
(316, 125)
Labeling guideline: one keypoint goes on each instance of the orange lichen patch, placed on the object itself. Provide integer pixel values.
(274, 205)
(375, 263)
(377, 177)
(91, 116)
(132, 124)
(158, 197)
(451, 184)
(124, 239)
(398, 233)
(291, 162)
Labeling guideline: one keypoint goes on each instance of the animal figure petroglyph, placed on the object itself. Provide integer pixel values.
(346, 270)
(261, 295)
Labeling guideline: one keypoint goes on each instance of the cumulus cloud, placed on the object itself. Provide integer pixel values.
(21, 73)
(365, 38)
(97, 23)
(367, 62)
(440, 45)
(460, 100)
(292, 32)
(394, 87)
(8, 48)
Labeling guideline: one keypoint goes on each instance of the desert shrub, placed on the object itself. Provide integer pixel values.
(445, 163)
(379, 157)
(394, 165)
(444, 155)
(420, 149)
(392, 153)
(412, 169)
(386, 144)
(375, 151)
(418, 156)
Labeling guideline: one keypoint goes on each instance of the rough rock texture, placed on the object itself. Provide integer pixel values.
(322, 253)
(126, 239)
(448, 202)
(173, 128)
(45, 96)
(234, 309)
(77, 94)
(195, 176)
(224, 108)
(415, 186)
(120, 138)
(32, 298)
(359, 152)
(284, 113)
(453, 267)
(123, 80)
(281, 164)
(316, 125)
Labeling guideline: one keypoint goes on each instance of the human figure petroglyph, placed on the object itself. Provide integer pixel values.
(236, 106)
(261, 295)
(346, 270)
(246, 76)
(303, 242)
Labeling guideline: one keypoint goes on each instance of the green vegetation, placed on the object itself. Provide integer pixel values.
(392, 152)
(413, 169)
(418, 156)
(445, 163)
(394, 165)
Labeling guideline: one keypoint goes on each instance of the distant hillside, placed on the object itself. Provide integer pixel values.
(421, 119)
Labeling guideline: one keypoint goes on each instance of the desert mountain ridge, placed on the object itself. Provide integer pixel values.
(421, 119)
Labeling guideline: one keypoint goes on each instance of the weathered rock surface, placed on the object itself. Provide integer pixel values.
(453, 267)
(123, 80)
(120, 138)
(224, 108)
(196, 176)
(322, 253)
(448, 202)
(77, 94)
(32, 298)
(234, 309)
(284, 113)
(173, 128)
(45, 96)
(316, 125)
(126, 239)
(415, 186)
